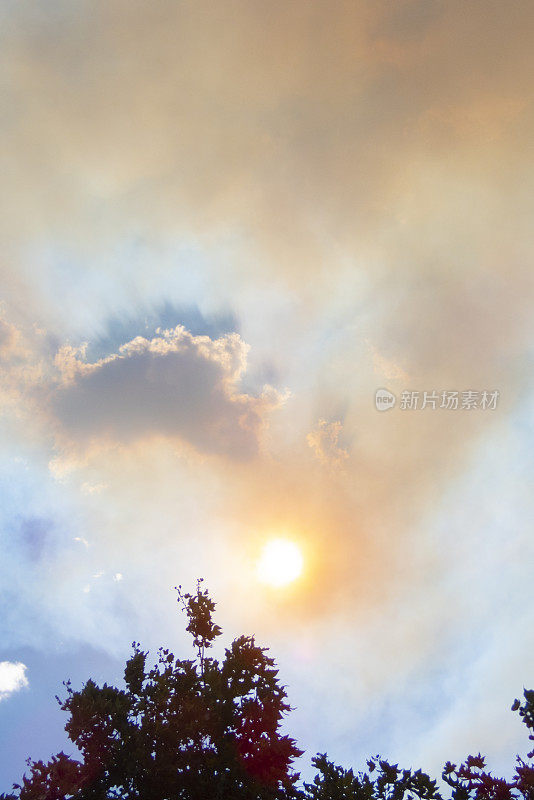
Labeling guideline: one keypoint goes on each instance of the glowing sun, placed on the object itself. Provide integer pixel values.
(280, 562)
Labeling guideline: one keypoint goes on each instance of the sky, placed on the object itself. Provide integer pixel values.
(224, 227)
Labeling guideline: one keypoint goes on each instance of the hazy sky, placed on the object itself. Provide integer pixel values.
(224, 226)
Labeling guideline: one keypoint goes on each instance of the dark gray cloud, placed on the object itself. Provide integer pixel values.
(175, 385)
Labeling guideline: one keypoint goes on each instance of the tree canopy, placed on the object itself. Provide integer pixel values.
(208, 729)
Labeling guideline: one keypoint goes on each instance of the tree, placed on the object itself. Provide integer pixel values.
(470, 781)
(201, 729)
(385, 781)
(189, 729)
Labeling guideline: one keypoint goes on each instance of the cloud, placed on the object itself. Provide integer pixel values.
(344, 160)
(12, 678)
(324, 441)
(8, 339)
(306, 130)
(385, 368)
(339, 176)
(175, 385)
(117, 330)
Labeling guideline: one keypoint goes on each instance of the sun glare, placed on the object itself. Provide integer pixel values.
(280, 562)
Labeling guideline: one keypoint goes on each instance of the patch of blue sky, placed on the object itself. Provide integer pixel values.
(119, 330)
(131, 279)
(31, 718)
(39, 520)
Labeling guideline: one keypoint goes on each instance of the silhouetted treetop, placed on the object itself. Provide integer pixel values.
(192, 729)
(204, 729)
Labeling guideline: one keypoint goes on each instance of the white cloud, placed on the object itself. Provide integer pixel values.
(12, 678)
(92, 488)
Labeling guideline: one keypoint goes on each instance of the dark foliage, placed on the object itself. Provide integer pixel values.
(382, 780)
(191, 729)
(385, 781)
(204, 729)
